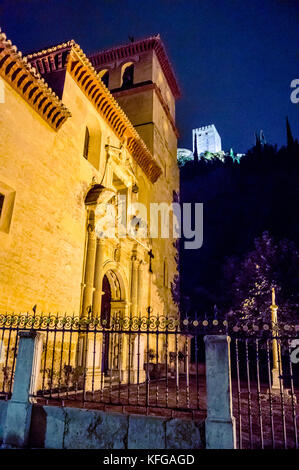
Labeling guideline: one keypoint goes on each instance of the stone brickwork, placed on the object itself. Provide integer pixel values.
(54, 427)
(71, 428)
(43, 248)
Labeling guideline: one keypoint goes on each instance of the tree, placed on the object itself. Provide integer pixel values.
(290, 139)
(241, 201)
(249, 280)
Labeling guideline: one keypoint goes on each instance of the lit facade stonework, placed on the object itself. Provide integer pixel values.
(66, 145)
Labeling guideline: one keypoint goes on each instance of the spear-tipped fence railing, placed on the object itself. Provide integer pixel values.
(156, 364)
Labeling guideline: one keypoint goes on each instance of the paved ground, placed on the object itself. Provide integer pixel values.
(285, 419)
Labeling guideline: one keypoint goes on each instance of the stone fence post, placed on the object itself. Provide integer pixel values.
(18, 417)
(220, 423)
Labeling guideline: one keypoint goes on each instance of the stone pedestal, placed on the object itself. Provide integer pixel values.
(18, 417)
(276, 393)
(134, 377)
(93, 380)
(276, 396)
(220, 423)
(275, 379)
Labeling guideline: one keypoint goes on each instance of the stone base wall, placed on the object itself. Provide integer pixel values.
(3, 411)
(72, 428)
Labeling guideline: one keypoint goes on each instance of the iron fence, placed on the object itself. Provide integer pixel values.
(156, 365)
(265, 386)
(141, 363)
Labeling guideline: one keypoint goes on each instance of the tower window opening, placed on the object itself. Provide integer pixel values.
(127, 77)
(105, 78)
(1, 203)
(86, 144)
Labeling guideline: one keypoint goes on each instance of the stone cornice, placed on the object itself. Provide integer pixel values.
(26, 81)
(88, 80)
(149, 86)
(153, 43)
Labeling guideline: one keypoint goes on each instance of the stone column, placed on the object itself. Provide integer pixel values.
(93, 346)
(89, 266)
(98, 277)
(125, 349)
(134, 286)
(140, 287)
(220, 423)
(138, 373)
(18, 417)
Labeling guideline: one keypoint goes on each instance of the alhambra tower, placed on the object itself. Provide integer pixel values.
(141, 78)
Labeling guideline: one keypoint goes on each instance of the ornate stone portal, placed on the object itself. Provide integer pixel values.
(108, 295)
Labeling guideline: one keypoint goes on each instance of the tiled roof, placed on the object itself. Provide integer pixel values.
(25, 79)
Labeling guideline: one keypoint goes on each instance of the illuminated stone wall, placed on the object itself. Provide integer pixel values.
(43, 254)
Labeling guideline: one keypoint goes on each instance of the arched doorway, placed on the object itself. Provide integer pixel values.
(105, 321)
(113, 307)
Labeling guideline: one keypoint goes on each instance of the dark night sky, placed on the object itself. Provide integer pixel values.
(234, 60)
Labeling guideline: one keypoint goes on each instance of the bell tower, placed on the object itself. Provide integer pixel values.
(141, 79)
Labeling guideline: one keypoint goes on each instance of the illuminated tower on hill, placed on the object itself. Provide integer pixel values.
(207, 139)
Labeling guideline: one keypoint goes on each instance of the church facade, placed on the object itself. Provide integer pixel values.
(76, 133)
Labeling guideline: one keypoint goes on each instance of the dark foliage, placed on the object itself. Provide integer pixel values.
(249, 281)
(241, 201)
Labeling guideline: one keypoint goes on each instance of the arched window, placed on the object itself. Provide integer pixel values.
(92, 142)
(127, 75)
(7, 199)
(105, 78)
(86, 144)
(1, 203)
